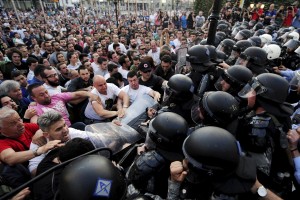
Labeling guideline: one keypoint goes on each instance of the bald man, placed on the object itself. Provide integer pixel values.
(154, 52)
(108, 92)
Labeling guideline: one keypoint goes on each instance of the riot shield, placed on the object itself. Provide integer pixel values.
(137, 108)
(181, 59)
(112, 136)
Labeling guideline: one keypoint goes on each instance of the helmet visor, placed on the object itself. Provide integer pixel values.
(241, 61)
(197, 113)
(297, 51)
(234, 32)
(220, 47)
(168, 92)
(223, 83)
(295, 82)
(149, 143)
(252, 89)
(239, 36)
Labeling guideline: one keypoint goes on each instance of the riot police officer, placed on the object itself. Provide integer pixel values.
(255, 59)
(150, 171)
(226, 46)
(234, 79)
(178, 97)
(237, 49)
(290, 58)
(213, 165)
(92, 177)
(265, 128)
(200, 60)
(210, 112)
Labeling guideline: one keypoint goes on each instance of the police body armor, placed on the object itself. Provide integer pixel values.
(208, 81)
(148, 171)
(291, 61)
(262, 141)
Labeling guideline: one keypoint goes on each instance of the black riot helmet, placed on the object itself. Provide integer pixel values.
(255, 41)
(245, 24)
(212, 52)
(236, 76)
(254, 55)
(259, 32)
(211, 150)
(282, 31)
(199, 57)
(210, 111)
(267, 86)
(243, 35)
(269, 29)
(168, 131)
(235, 30)
(179, 88)
(221, 35)
(226, 46)
(203, 42)
(258, 26)
(291, 45)
(92, 177)
(223, 27)
(241, 46)
(221, 56)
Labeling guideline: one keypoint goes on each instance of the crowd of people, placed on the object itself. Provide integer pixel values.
(225, 117)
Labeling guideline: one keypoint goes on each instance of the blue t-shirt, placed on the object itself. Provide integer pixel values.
(183, 21)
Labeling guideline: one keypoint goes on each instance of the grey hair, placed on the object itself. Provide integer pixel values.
(6, 112)
(7, 86)
(48, 118)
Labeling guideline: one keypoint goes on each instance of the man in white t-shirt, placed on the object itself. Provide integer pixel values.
(56, 132)
(108, 92)
(51, 81)
(135, 90)
(115, 40)
(154, 52)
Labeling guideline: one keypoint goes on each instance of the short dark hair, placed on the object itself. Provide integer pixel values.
(116, 45)
(110, 53)
(81, 67)
(111, 67)
(122, 60)
(113, 81)
(118, 76)
(32, 86)
(82, 55)
(43, 75)
(74, 148)
(38, 70)
(12, 51)
(100, 60)
(163, 53)
(59, 65)
(31, 60)
(41, 60)
(2, 96)
(131, 74)
(16, 73)
(166, 59)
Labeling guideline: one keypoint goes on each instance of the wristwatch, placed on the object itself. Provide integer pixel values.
(262, 191)
(35, 153)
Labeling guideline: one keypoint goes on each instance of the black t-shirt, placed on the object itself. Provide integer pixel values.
(155, 82)
(62, 80)
(160, 72)
(10, 67)
(78, 83)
